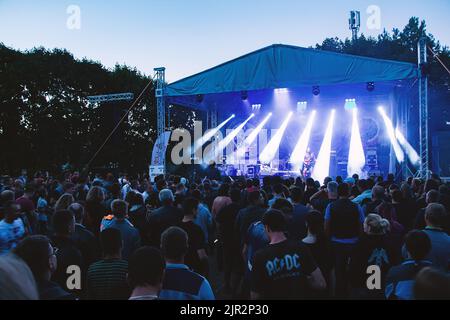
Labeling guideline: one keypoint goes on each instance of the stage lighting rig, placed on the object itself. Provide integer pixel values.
(199, 98)
(316, 90)
(370, 86)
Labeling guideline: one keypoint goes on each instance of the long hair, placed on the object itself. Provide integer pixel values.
(95, 195)
(64, 202)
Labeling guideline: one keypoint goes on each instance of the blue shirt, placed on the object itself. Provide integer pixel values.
(130, 235)
(365, 195)
(204, 220)
(256, 239)
(362, 217)
(440, 248)
(180, 283)
(400, 279)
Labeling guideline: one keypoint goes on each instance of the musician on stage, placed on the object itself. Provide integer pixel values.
(308, 163)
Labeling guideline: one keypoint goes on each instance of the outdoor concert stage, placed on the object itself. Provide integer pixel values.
(292, 83)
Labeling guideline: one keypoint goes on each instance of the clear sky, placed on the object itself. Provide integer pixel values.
(188, 36)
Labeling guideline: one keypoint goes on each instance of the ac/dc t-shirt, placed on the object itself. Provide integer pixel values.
(280, 271)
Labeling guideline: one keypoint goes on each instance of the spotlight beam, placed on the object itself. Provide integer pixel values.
(252, 137)
(391, 133)
(322, 167)
(356, 157)
(223, 144)
(211, 133)
(410, 152)
(271, 148)
(298, 155)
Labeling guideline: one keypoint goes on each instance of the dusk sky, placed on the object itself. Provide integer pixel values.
(188, 36)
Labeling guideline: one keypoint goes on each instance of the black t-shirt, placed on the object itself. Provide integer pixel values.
(371, 250)
(226, 218)
(196, 242)
(280, 271)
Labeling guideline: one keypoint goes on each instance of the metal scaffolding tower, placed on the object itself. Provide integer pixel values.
(424, 170)
(160, 77)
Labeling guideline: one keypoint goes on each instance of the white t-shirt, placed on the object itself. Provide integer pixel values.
(10, 235)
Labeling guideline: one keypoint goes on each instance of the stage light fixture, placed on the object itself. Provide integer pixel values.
(322, 167)
(199, 98)
(298, 155)
(316, 90)
(302, 106)
(244, 95)
(356, 157)
(370, 86)
(256, 107)
(281, 90)
(391, 133)
(271, 148)
(350, 104)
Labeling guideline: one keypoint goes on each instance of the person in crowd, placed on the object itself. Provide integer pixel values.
(365, 193)
(257, 238)
(230, 247)
(297, 225)
(95, 209)
(204, 217)
(16, 280)
(196, 257)
(107, 278)
(180, 283)
(377, 198)
(319, 247)
(68, 254)
(138, 215)
(248, 215)
(397, 232)
(278, 193)
(373, 249)
(400, 279)
(435, 218)
(432, 284)
(444, 196)
(311, 189)
(28, 208)
(404, 213)
(12, 228)
(118, 219)
(221, 200)
(343, 226)
(164, 217)
(432, 196)
(284, 269)
(40, 256)
(146, 273)
(64, 202)
(321, 199)
(84, 240)
(430, 184)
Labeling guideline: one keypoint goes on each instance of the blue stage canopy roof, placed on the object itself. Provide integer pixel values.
(284, 66)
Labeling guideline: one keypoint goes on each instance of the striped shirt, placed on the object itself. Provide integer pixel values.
(107, 280)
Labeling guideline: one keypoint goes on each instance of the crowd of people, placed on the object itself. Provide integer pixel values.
(107, 237)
